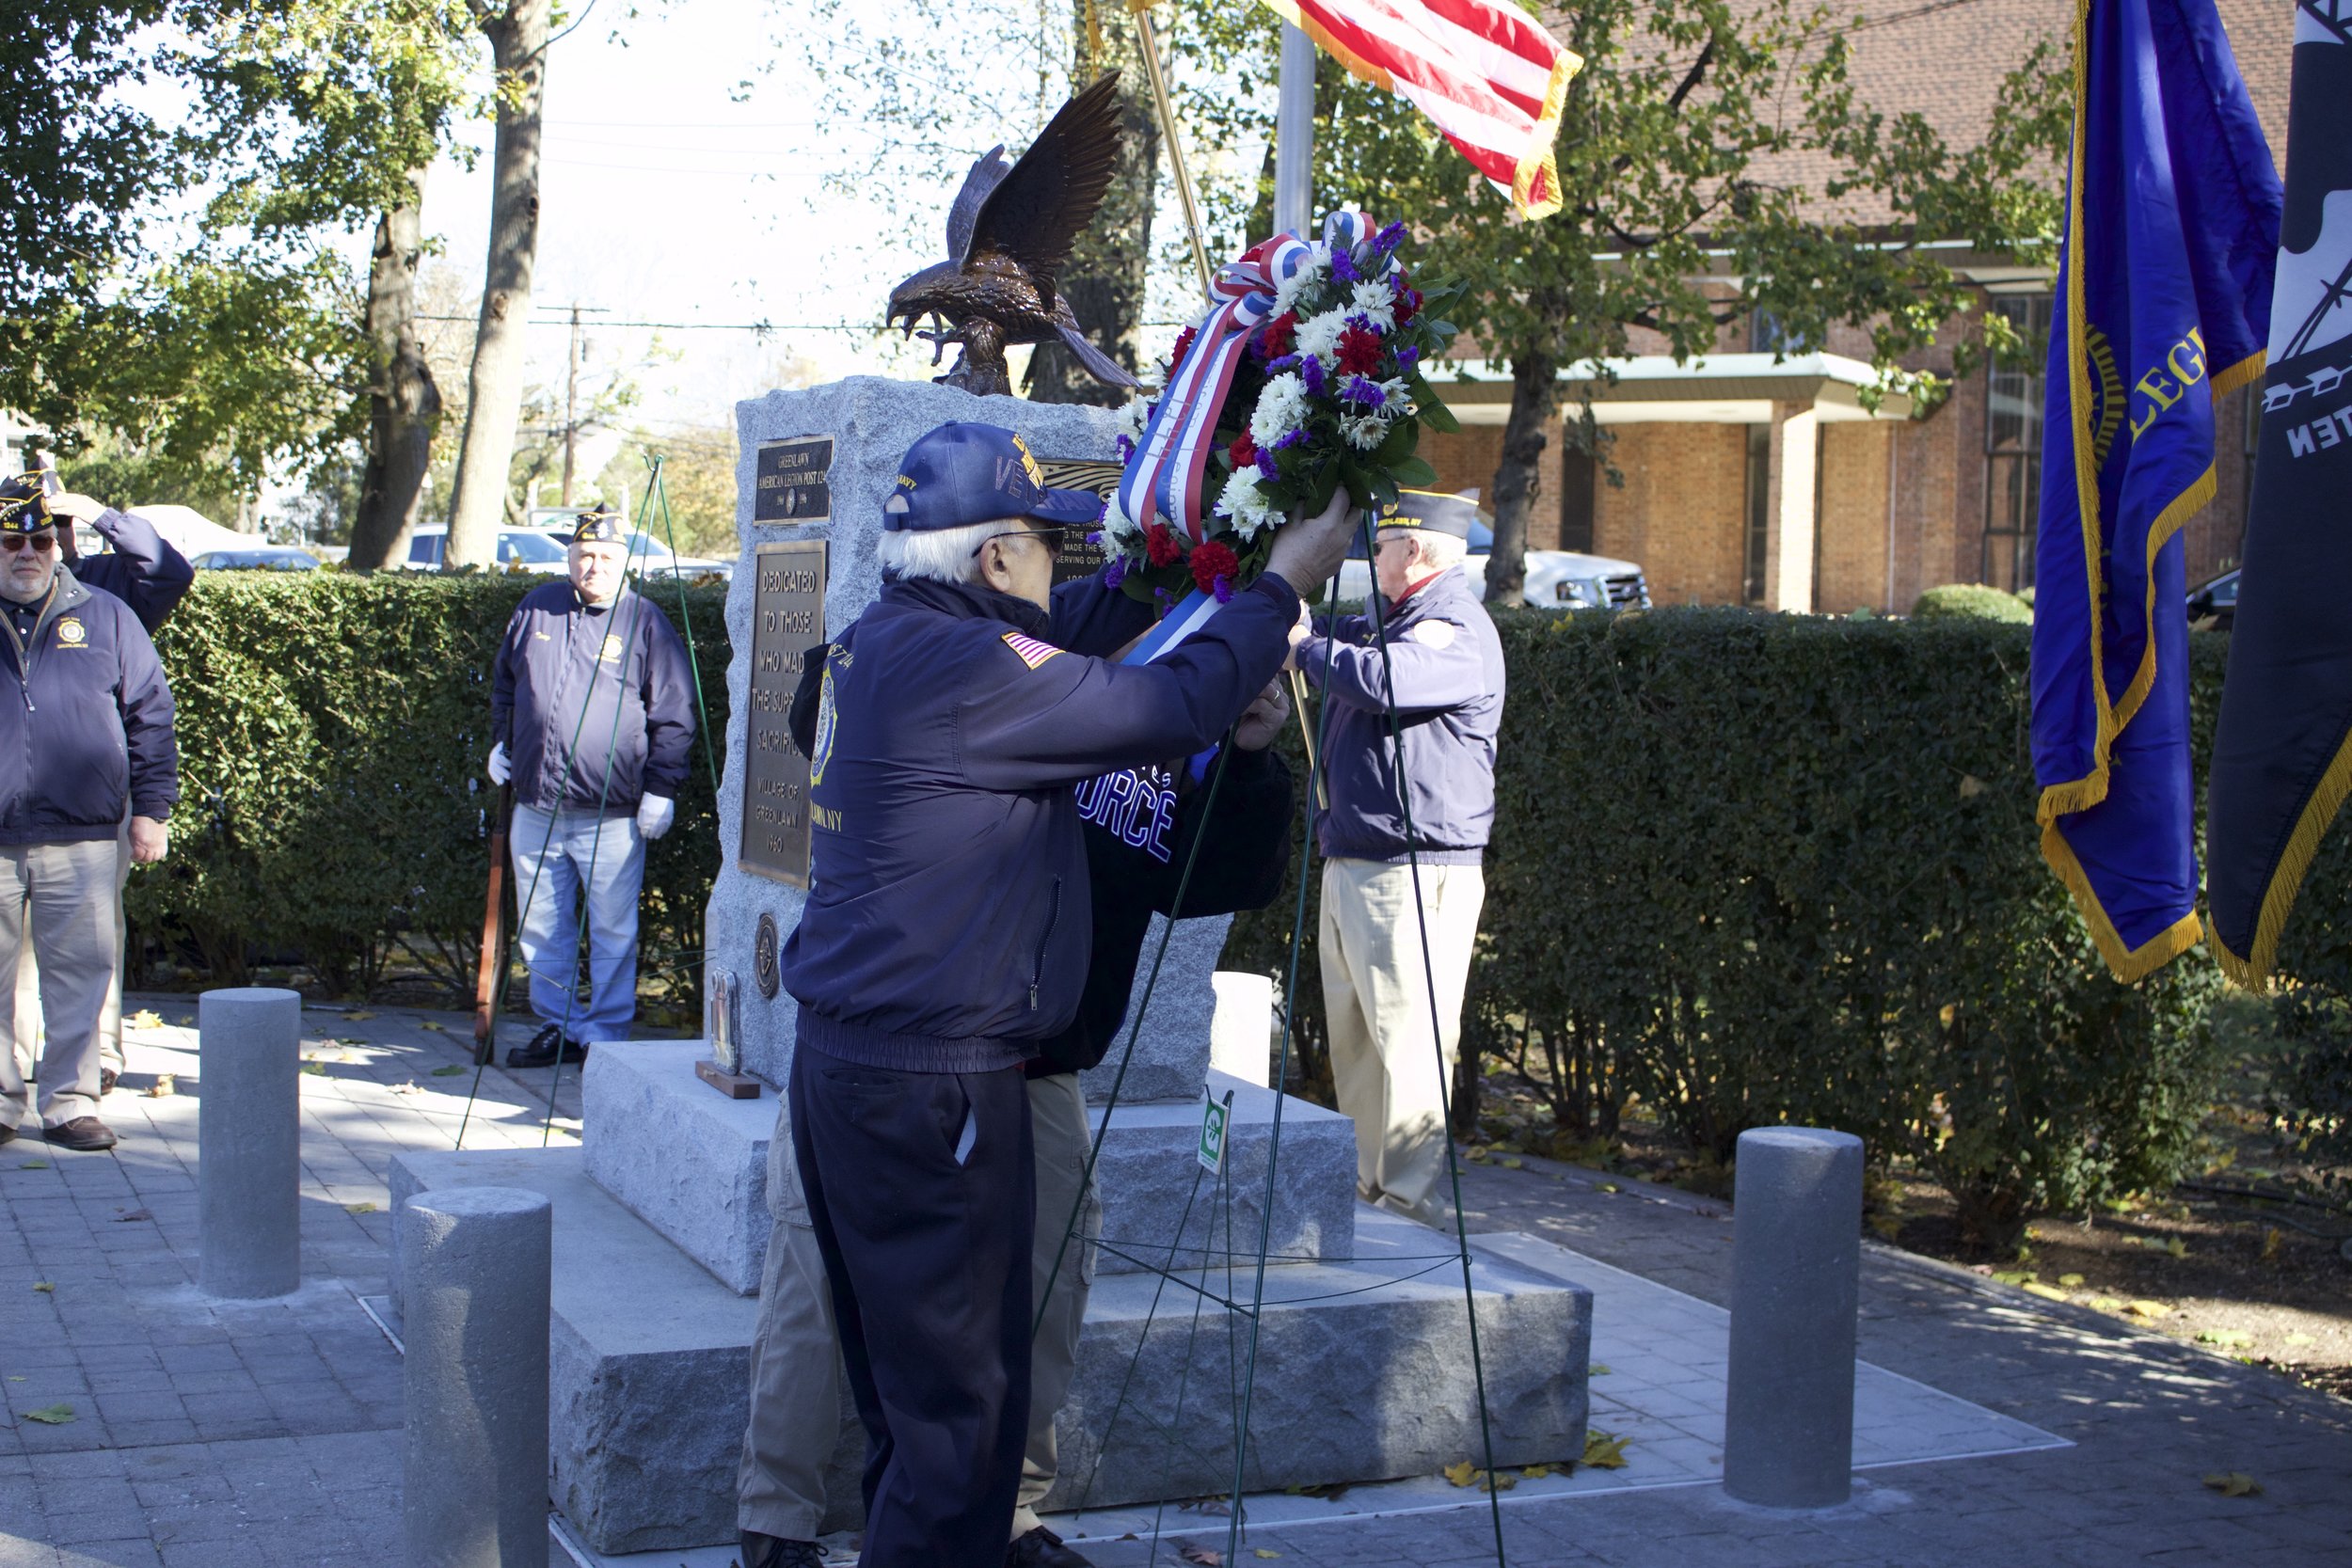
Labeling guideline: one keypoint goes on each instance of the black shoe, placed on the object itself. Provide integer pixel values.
(542, 1049)
(106, 1077)
(84, 1133)
(7, 1135)
(764, 1551)
(1042, 1548)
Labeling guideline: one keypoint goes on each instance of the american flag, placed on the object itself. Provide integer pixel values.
(1482, 70)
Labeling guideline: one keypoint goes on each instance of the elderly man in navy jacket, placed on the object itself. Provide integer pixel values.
(945, 939)
(1393, 1045)
(87, 736)
(592, 705)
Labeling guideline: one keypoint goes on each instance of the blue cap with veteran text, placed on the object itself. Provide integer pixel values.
(966, 473)
(1432, 511)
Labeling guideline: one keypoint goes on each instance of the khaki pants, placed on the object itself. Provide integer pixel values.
(797, 1397)
(58, 900)
(28, 984)
(1391, 1075)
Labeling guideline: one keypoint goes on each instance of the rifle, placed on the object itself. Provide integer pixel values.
(490, 977)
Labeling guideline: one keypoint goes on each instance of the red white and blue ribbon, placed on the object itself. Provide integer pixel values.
(1164, 477)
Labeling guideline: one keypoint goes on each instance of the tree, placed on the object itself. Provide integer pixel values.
(404, 400)
(517, 32)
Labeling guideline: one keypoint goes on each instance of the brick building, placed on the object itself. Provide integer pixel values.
(1756, 477)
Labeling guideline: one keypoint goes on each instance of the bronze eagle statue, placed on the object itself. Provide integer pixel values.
(1008, 233)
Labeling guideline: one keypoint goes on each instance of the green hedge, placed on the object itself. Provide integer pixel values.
(1756, 868)
(333, 807)
(1974, 600)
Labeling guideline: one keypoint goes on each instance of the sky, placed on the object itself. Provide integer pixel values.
(683, 182)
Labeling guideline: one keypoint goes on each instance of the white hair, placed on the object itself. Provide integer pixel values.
(941, 554)
(1439, 551)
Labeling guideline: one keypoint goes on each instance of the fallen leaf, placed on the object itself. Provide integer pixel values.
(1600, 1368)
(2070, 1280)
(2301, 1339)
(1537, 1472)
(186, 1021)
(437, 1028)
(1496, 1483)
(359, 1207)
(47, 1288)
(34, 1164)
(316, 1070)
(1604, 1452)
(357, 1018)
(144, 1019)
(132, 1217)
(2176, 1248)
(1261, 1552)
(2271, 1238)
(2047, 1293)
(2108, 1304)
(1611, 1187)
(58, 1415)
(1462, 1474)
(1887, 1226)
(2229, 1338)
(1514, 1163)
(2234, 1484)
(2148, 1309)
(450, 1071)
(13, 1378)
(163, 1088)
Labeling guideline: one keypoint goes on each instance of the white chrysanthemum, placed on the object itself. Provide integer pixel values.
(1363, 430)
(1311, 272)
(1281, 408)
(1245, 502)
(1118, 530)
(1376, 303)
(1134, 417)
(1319, 336)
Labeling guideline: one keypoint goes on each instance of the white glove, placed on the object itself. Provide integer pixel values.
(654, 814)
(501, 769)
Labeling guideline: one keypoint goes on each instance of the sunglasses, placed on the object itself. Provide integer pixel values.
(1050, 537)
(43, 542)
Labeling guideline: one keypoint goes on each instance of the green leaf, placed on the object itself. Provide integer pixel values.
(1414, 473)
(450, 1071)
(51, 1416)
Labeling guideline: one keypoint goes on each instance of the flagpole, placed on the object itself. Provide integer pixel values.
(1148, 38)
(1295, 135)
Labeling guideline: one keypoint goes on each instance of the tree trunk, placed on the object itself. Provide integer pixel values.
(404, 404)
(1105, 275)
(1534, 399)
(519, 42)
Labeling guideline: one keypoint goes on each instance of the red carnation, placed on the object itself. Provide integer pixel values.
(1407, 305)
(1212, 562)
(1161, 546)
(1360, 352)
(1183, 342)
(1243, 452)
(1280, 335)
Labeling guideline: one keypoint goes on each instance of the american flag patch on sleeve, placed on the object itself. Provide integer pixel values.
(1033, 652)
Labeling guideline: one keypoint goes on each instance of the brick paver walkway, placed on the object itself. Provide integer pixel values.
(268, 1434)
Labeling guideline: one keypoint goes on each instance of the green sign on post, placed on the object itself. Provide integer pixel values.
(1214, 1116)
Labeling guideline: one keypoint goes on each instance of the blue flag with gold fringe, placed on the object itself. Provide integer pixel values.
(2282, 751)
(2164, 305)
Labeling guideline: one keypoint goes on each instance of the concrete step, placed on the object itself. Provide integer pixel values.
(1362, 1372)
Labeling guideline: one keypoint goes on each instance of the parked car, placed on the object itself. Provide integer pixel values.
(2213, 604)
(650, 557)
(262, 557)
(1556, 580)
(520, 549)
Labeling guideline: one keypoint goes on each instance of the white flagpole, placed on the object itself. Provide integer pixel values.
(1294, 136)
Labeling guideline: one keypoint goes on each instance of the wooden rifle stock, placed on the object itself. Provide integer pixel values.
(490, 975)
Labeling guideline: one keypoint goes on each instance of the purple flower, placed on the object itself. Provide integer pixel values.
(1095, 537)
(1363, 389)
(1311, 371)
(1407, 358)
(1288, 362)
(1296, 438)
(1116, 573)
(1343, 267)
(1126, 449)
(1159, 596)
(1265, 461)
(1389, 239)
(1224, 587)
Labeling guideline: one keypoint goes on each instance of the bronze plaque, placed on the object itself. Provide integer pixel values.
(787, 620)
(1079, 557)
(790, 485)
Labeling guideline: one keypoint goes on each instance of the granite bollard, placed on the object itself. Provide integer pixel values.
(475, 1266)
(250, 1143)
(1796, 1264)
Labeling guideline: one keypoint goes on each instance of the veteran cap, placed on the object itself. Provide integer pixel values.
(598, 526)
(965, 473)
(23, 507)
(1432, 512)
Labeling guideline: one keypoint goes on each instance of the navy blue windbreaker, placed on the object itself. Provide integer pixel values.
(946, 927)
(143, 570)
(1448, 667)
(85, 724)
(557, 689)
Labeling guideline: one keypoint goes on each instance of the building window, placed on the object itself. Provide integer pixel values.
(1769, 334)
(1578, 474)
(2013, 446)
(1759, 512)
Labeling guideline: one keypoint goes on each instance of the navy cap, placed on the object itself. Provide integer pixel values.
(23, 504)
(963, 473)
(1431, 511)
(598, 526)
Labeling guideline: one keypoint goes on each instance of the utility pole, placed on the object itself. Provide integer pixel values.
(571, 402)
